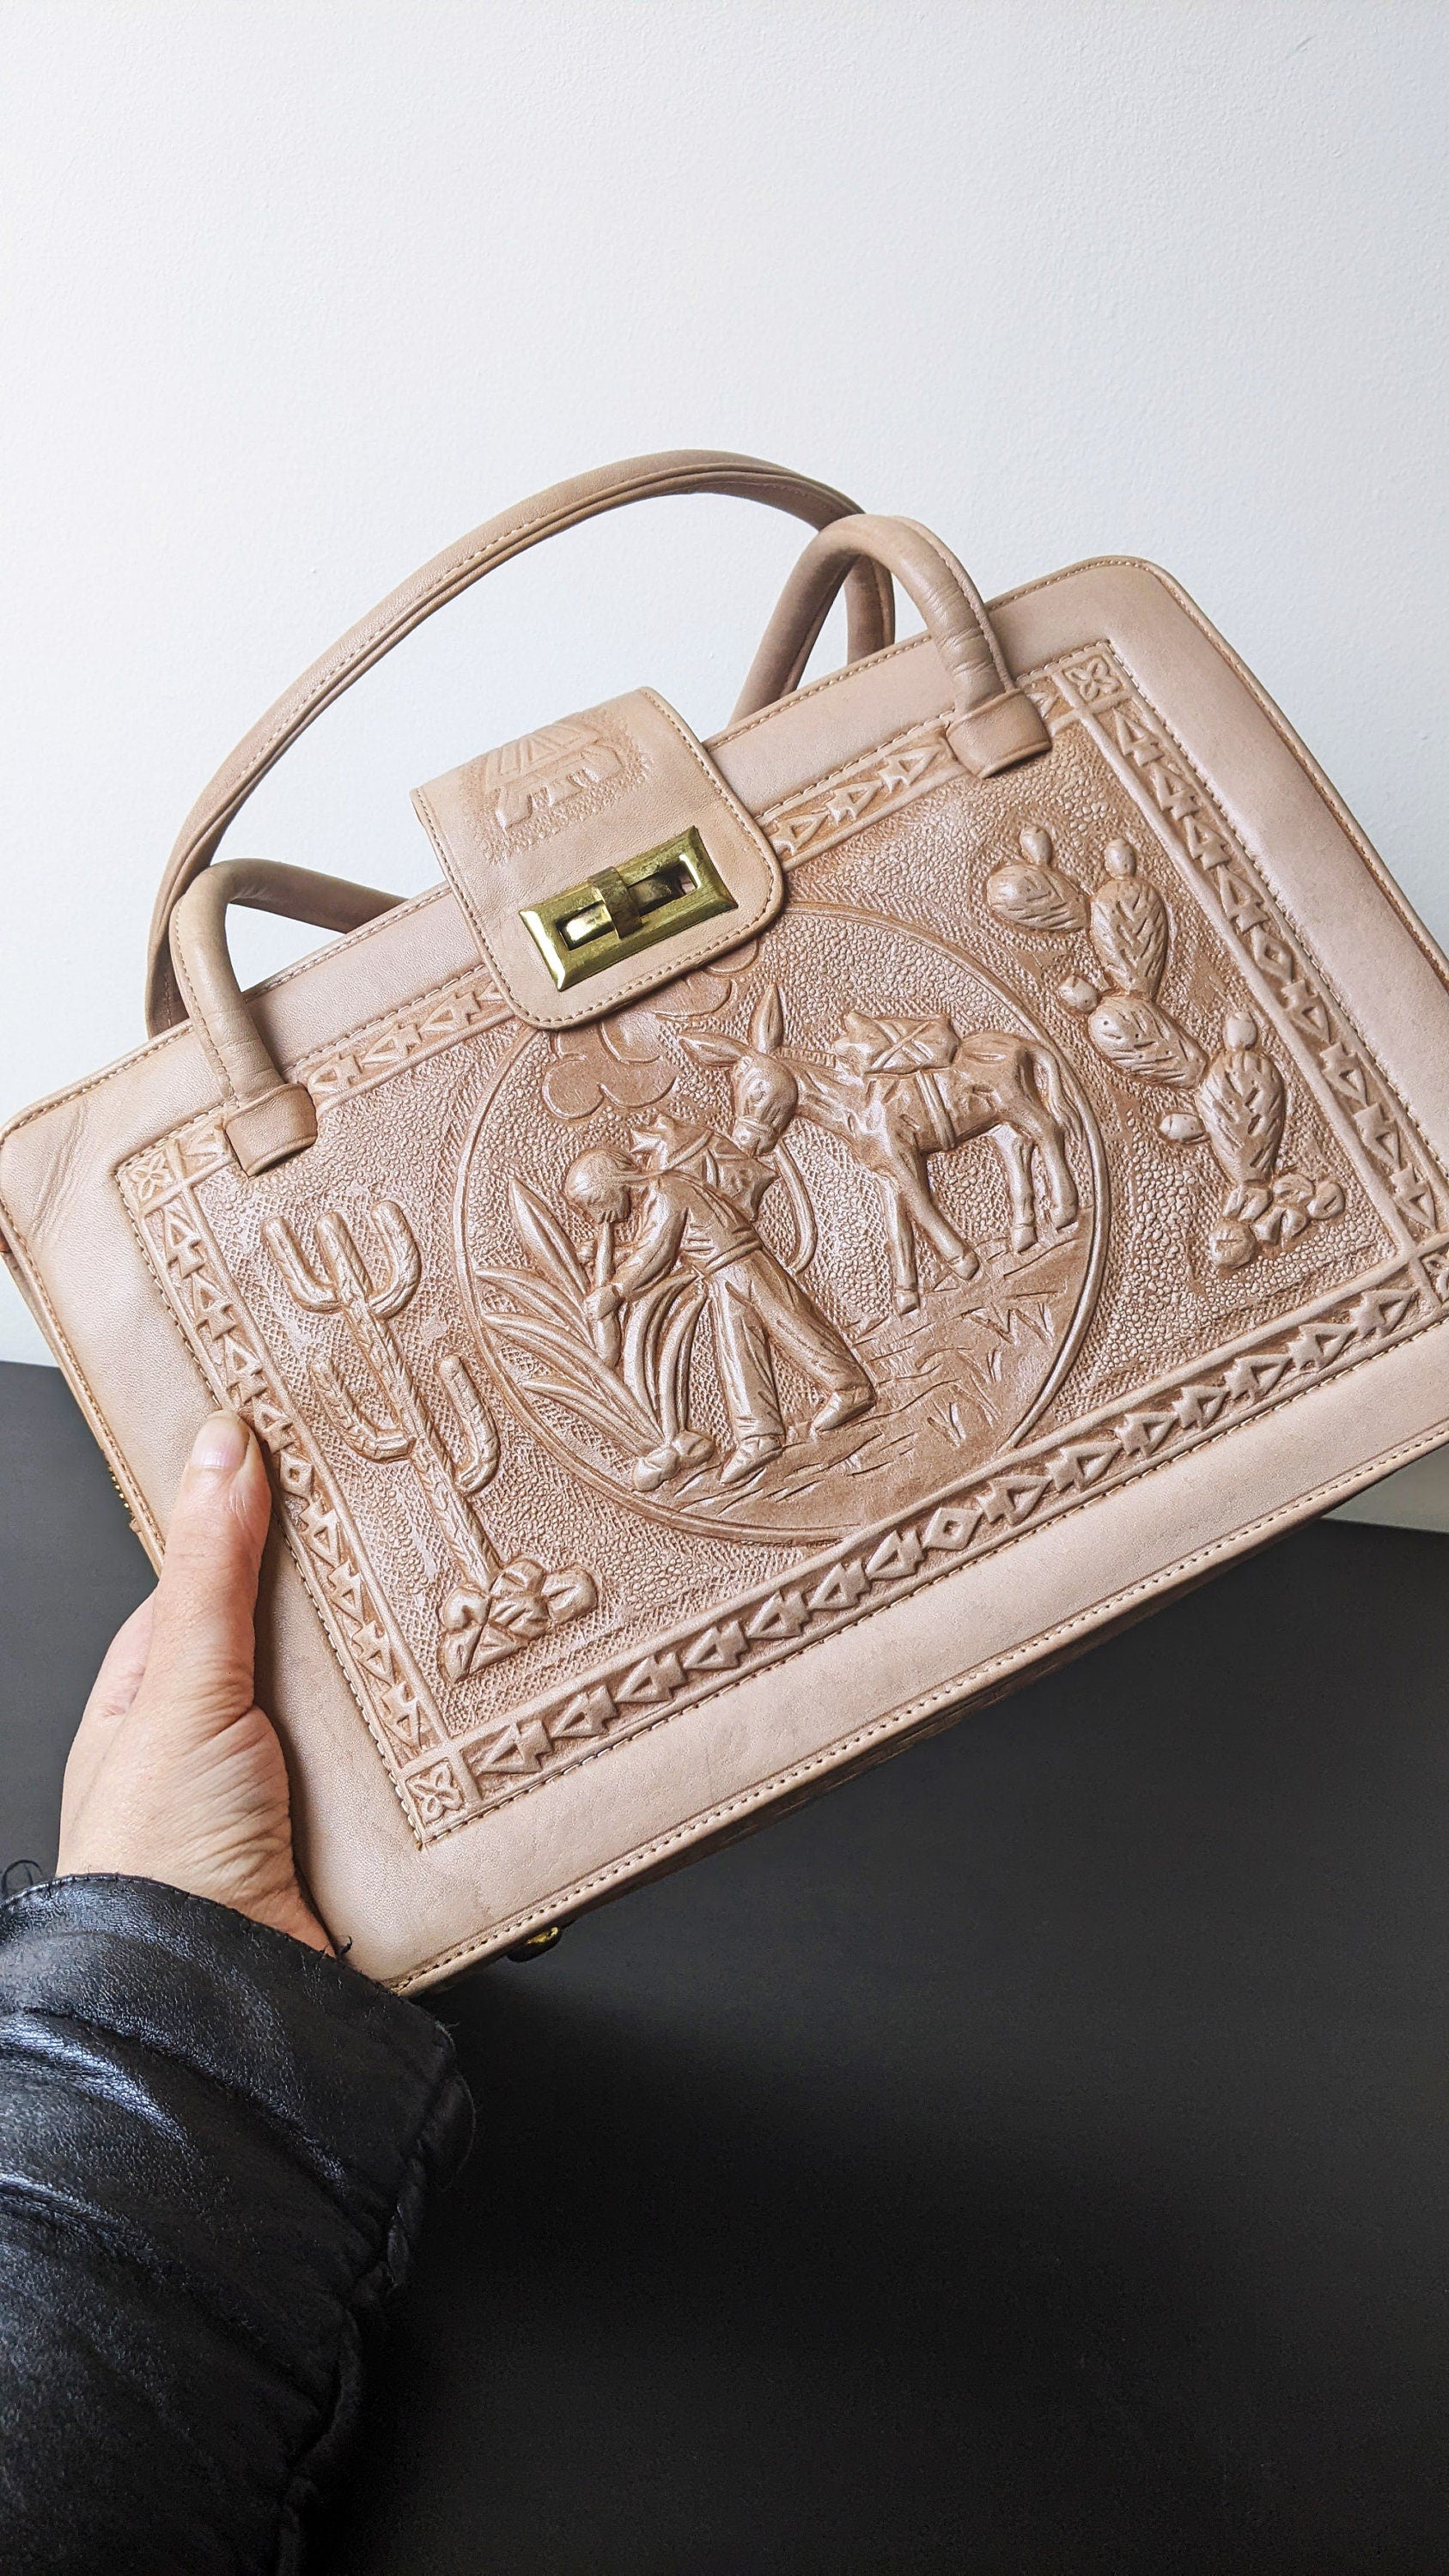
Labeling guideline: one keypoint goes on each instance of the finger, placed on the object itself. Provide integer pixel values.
(202, 1642)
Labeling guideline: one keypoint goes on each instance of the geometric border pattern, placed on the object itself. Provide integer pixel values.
(159, 1189)
(1095, 685)
(1035, 1486)
(1092, 687)
(442, 1783)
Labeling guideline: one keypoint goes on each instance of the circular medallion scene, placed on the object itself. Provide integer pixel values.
(794, 1243)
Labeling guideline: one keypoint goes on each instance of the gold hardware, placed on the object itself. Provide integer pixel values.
(621, 910)
(534, 1944)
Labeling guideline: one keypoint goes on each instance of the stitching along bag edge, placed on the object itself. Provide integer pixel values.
(1382, 1305)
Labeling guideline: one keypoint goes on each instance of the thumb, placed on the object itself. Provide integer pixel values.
(203, 1636)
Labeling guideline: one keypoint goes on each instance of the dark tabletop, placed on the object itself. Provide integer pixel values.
(1032, 2157)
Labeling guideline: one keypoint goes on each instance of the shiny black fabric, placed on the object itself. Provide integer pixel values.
(215, 2149)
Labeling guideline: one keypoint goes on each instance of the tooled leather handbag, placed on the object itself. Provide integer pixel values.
(793, 1234)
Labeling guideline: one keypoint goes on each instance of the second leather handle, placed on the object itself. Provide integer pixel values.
(267, 1119)
(566, 505)
(993, 724)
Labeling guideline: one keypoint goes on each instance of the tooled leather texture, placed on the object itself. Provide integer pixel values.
(1025, 1151)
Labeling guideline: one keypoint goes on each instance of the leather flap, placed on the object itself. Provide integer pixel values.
(571, 811)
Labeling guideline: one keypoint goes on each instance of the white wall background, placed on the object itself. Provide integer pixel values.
(297, 290)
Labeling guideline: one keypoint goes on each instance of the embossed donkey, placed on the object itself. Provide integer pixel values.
(897, 1092)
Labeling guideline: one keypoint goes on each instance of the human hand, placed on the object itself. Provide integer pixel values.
(175, 1773)
(602, 1303)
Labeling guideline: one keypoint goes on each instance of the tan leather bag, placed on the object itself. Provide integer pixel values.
(793, 1234)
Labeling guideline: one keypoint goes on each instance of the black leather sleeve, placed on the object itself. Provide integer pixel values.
(215, 2149)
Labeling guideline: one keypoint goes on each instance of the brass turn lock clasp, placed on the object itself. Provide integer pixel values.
(622, 910)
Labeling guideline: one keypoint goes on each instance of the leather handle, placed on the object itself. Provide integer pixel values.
(993, 724)
(565, 505)
(266, 1119)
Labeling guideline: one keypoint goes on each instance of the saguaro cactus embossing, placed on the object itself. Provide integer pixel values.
(405, 1429)
(495, 1608)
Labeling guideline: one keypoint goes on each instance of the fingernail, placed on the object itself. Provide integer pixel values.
(221, 1444)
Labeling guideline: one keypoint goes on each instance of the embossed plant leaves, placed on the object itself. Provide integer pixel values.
(631, 1385)
(544, 1237)
(604, 1423)
(871, 1106)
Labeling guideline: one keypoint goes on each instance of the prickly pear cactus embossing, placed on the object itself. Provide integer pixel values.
(762, 1295)
(1138, 1038)
(1243, 1103)
(1129, 924)
(1030, 894)
(1239, 1098)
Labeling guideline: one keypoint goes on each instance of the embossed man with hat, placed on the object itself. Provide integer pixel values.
(700, 1194)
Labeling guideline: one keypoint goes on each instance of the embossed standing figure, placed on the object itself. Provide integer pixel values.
(700, 1195)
